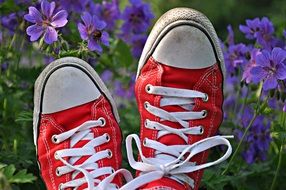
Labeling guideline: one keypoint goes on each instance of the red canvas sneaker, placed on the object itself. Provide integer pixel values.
(76, 132)
(179, 91)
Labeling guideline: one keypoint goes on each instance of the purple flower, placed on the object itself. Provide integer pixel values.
(284, 108)
(251, 28)
(1, 37)
(137, 19)
(45, 22)
(247, 76)
(230, 36)
(74, 5)
(272, 103)
(228, 105)
(270, 67)
(265, 35)
(137, 44)
(125, 92)
(48, 59)
(261, 30)
(107, 11)
(92, 31)
(258, 139)
(106, 76)
(4, 66)
(119, 90)
(235, 57)
(10, 22)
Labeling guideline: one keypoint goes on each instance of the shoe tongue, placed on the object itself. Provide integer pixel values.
(72, 118)
(183, 79)
(180, 78)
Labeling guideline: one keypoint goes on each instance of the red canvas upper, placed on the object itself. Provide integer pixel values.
(208, 80)
(55, 123)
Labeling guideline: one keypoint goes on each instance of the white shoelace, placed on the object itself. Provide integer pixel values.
(89, 168)
(173, 161)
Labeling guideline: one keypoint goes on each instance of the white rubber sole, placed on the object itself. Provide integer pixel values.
(178, 17)
(44, 76)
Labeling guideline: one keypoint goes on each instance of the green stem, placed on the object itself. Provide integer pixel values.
(278, 167)
(245, 131)
(240, 142)
(12, 41)
(280, 155)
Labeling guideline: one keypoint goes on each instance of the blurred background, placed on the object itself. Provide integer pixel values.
(233, 12)
(21, 62)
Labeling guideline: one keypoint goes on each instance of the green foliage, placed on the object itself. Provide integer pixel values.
(16, 177)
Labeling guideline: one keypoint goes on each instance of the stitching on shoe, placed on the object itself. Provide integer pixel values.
(209, 72)
(143, 78)
(95, 130)
(49, 157)
(54, 124)
(113, 134)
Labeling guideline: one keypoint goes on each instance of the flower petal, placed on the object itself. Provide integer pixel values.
(86, 18)
(60, 19)
(105, 38)
(263, 59)
(34, 15)
(47, 8)
(51, 35)
(99, 24)
(258, 74)
(278, 55)
(270, 83)
(94, 46)
(35, 31)
(82, 31)
(281, 71)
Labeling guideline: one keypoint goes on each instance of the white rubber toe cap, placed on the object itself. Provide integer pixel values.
(68, 87)
(185, 47)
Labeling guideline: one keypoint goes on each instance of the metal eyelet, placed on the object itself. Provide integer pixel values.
(103, 121)
(148, 88)
(60, 186)
(145, 123)
(109, 153)
(206, 98)
(146, 104)
(205, 113)
(56, 156)
(144, 141)
(58, 172)
(55, 140)
(202, 129)
(112, 170)
(107, 137)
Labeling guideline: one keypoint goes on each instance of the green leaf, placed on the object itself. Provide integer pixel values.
(22, 177)
(24, 116)
(2, 166)
(9, 171)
